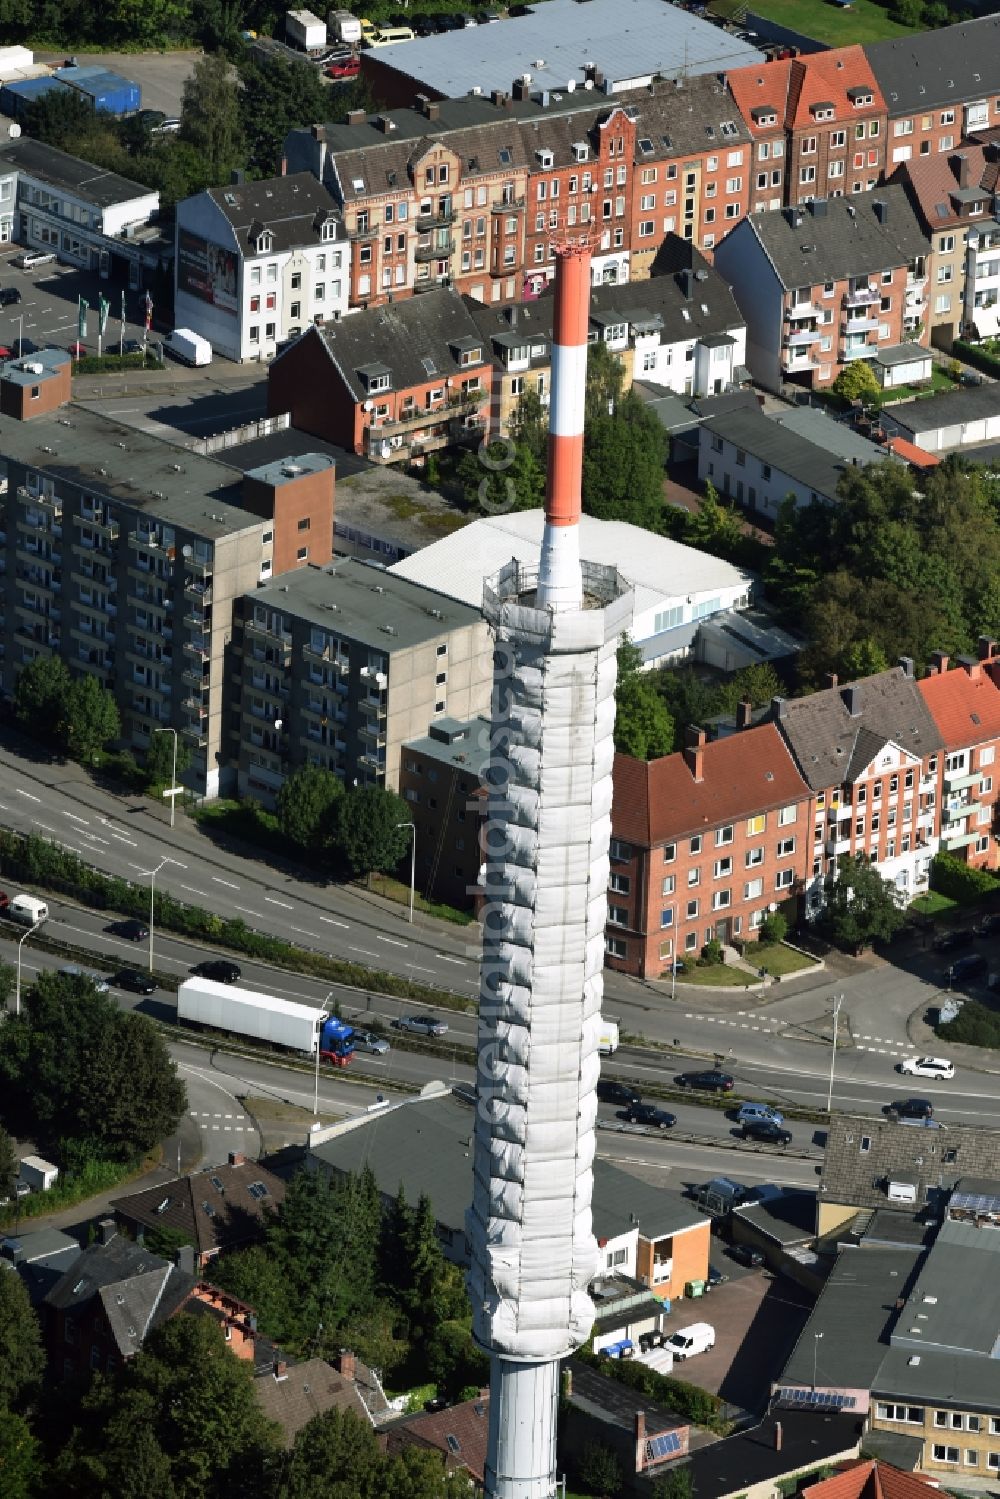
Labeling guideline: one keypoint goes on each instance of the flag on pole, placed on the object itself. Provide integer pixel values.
(81, 321)
(149, 312)
(103, 308)
(124, 318)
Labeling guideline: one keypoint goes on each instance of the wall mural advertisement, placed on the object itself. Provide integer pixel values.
(207, 271)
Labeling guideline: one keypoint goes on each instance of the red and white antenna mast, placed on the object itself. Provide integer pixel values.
(560, 584)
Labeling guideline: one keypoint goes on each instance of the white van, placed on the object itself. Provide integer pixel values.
(385, 36)
(607, 1037)
(28, 910)
(31, 259)
(697, 1338)
(188, 347)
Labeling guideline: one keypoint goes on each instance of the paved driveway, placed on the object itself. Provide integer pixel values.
(160, 75)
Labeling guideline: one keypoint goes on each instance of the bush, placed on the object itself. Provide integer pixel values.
(89, 364)
(979, 358)
(960, 881)
(774, 927)
(974, 1024)
(676, 1394)
(712, 954)
(599, 1470)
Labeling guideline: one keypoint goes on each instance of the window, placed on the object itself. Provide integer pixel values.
(986, 755)
(304, 524)
(669, 853)
(615, 947)
(756, 824)
(806, 175)
(302, 554)
(722, 867)
(667, 917)
(723, 836)
(694, 847)
(914, 1414)
(732, 210)
(786, 848)
(753, 889)
(786, 816)
(721, 900)
(669, 881)
(755, 857)
(784, 879)
(809, 145)
(618, 915)
(944, 1454)
(692, 910)
(620, 851)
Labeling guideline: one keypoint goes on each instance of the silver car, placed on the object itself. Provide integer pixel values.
(369, 1041)
(421, 1025)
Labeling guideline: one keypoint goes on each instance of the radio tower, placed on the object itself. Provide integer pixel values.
(533, 1253)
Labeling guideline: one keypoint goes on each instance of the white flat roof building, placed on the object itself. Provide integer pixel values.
(628, 41)
(675, 586)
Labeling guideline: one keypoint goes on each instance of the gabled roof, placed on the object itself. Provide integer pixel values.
(946, 66)
(777, 443)
(965, 704)
(215, 1208)
(304, 1390)
(831, 744)
(840, 238)
(458, 1433)
(292, 208)
(136, 1289)
(935, 185)
(937, 1159)
(745, 773)
(795, 88)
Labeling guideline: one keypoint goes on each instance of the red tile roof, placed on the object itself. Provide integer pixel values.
(933, 179)
(919, 457)
(466, 1425)
(870, 1480)
(745, 773)
(793, 86)
(965, 708)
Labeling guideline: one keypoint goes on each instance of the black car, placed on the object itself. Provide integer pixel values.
(744, 1255)
(948, 941)
(989, 924)
(131, 929)
(221, 970)
(649, 1114)
(135, 982)
(9, 295)
(767, 1130)
(965, 968)
(910, 1108)
(711, 1081)
(608, 1091)
(716, 1277)
(151, 118)
(131, 346)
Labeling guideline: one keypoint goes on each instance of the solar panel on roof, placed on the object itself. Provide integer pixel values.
(976, 1202)
(662, 1446)
(820, 1399)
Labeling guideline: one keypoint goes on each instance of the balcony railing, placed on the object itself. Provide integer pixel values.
(859, 324)
(801, 310)
(427, 221)
(863, 297)
(369, 231)
(434, 252)
(106, 527)
(42, 501)
(801, 338)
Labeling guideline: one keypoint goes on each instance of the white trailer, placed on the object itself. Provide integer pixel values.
(39, 1175)
(28, 910)
(304, 30)
(226, 1008)
(345, 27)
(188, 346)
(607, 1037)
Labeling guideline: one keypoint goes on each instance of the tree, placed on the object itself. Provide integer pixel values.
(774, 927)
(211, 114)
(674, 1484)
(150, 23)
(308, 806)
(371, 836)
(863, 658)
(160, 758)
(499, 479)
(454, 1360)
(337, 1456)
(599, 1470)
(21, 1358)
(278, 96)
(756, 684)
(62, 118)
(90, 718)
(8, 1165)
(861, 907)
(529, 425)
(605, 376)
(624, 456)
(714, 527)
(643, 726)
(40, 693)
(21, 1472)
(857, 382)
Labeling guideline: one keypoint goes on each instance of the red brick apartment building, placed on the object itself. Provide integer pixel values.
(965, 704)
(939, 86)
(705, 842)
(818, 125)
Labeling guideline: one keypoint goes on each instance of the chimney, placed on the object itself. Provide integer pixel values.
(499, 97)
(599, 79)
(640, 1426)
(881, 208)
(280, 1365)
(433, 109)
(560, 580)
(777, 1436)
(793, 216)
(687, 282)
(356, 117)
(830, 679)
(777, 707)
(939, 661)
(345, 1364)
(959, 164)
(318, 132)
(519, 89)
(970, 666)
(185, 1259)
(237, 1158)
(987, 648)
(106, 1230)
(906, 666)
(694, 751)
(852, 699)
(818, 206)
(744, 713)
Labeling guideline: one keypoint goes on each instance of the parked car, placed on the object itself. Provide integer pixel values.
(955, 937)
(344, 67)
(609, 1091)
(968, 378)
(170, 126)
(756, 1113)
(710, 1081)
(651, 1115)
(131, 929)
(131, 346)
(965, 968)
(30, 260)
(9, 296)
(5, 352)
(135, 982)
(697, 1338)
(743, 1254)
(220, 970)
(370, 1041)
(421, 1025)
(77, 349)
(716, 1277)
(986, 925)
(910, 1108)
(767, 1130)
(74, 971)
(937, 1067)
(151, 118)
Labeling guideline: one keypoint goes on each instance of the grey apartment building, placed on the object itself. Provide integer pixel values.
(124, 555)
(339, 665)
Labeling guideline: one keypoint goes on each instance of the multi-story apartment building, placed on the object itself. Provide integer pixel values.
(124, 555)
(258, 262)
(818, 126)
(835, 280)
(870, 753)
(965, 705)
(391, 383)
(338, 666)
(441, 776)
(704, 843)
(955, 197)
(939, 86)
(428, 197)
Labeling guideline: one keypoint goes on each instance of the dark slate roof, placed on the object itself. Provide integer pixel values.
(831, 746)
(789, 1217)
(90, 183)
(949, 408)
(946, 66)
(40, 1259)
(214, 1208)
(136, 1289)
(784, 449)
(937, 1158)
(401, 336)
(293, 208)
(847, 240)
(754, 1457)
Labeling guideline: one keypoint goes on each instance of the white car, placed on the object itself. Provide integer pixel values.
(927, 1067)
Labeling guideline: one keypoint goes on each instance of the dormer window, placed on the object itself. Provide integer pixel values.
(860, 97)
(471, 356)
(375, 377)
(329, 230)
(764, 115)
(378, 382)
(265, 242)
(977, 207)
(545, 158)
(823, 111)
(581, 151)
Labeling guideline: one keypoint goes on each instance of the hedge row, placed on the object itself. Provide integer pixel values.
(90, 364)
(980, 359)
(961, 882)
(679, 1396)
(974, 1024)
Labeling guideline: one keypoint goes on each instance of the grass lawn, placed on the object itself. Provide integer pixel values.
(933, 904)
(393, 889)
(864, 22)
(775, 957)
(939, 382)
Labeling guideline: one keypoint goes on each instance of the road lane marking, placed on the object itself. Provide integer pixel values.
(204, 895)
(392, 941)
(287, 905)
(443, 956)
(72, 815)
(330, 921)
(247, 912)
(228, 883)
(30, 795)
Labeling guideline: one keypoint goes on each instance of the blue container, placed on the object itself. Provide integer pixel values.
(15, 97)
(105, 90)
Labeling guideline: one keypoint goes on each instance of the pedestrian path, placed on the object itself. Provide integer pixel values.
(227, 1123)
(880, 1045)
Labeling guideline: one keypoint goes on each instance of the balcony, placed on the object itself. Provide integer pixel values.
(425, 222)
(102, 524)
(859, 324)
(837, 846)
(194, 704)
(197, 590)
(801, 310)
(863, 296)
(516, 205)
(260, 684)
(957, 812)
(41, 501)
(314, 653)
(958, 780)
(427, 417)
(434, 252)
(193, 676)
(196, 732)
(368, 230)
(801, 338)
(148, 541)
(961, 840)
(195, 648)
(255, 627)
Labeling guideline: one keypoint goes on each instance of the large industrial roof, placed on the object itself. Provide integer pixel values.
(627, 40)
(657, 567)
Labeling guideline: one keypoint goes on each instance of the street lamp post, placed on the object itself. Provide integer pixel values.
(816, 1338)
(324, 1014)
(174, 790)
(838, 1001)
(152, 873)
(17, 986)
(413, 861)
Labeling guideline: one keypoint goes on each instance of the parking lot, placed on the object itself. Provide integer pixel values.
(160, 75)
(47, 311)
